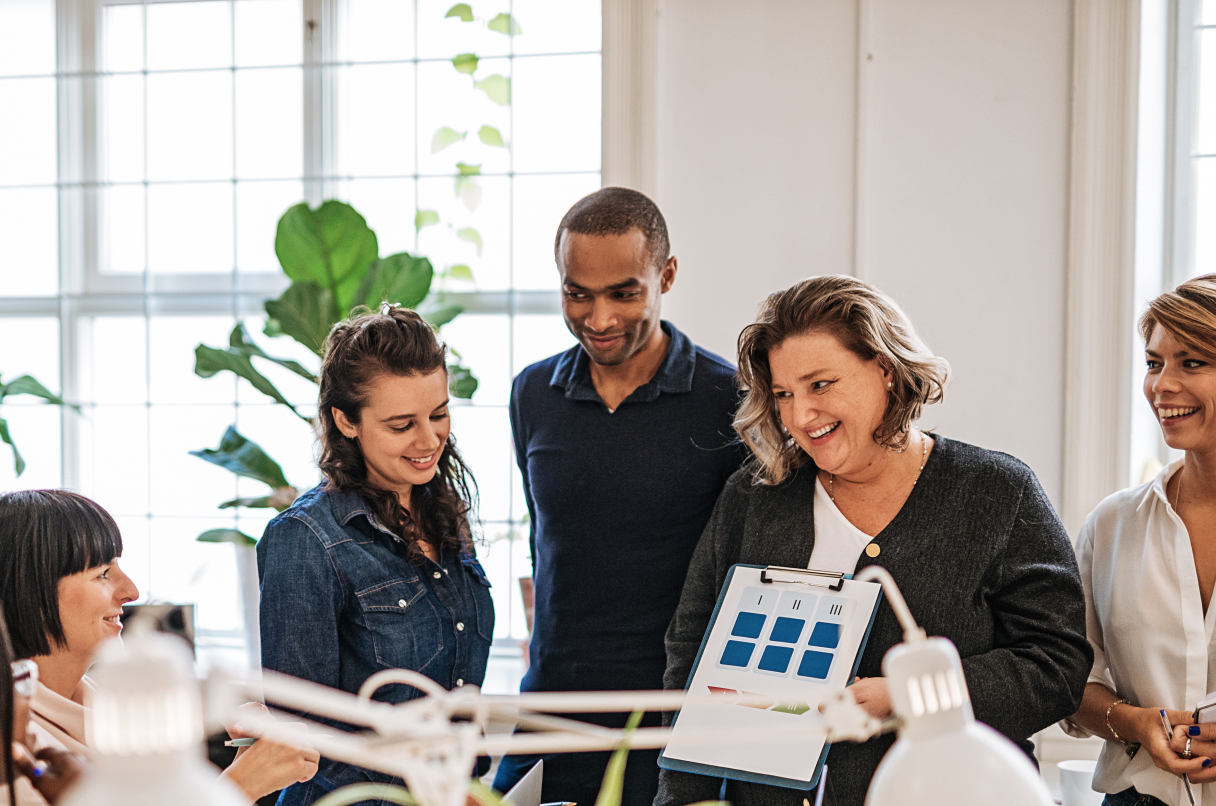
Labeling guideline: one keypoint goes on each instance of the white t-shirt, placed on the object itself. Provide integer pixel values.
(838, 543)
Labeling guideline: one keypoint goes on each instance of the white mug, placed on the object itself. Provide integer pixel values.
(1076, 783)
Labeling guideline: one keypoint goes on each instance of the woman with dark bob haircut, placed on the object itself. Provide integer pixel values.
(63, 591)
(835, 378)
(374, 568)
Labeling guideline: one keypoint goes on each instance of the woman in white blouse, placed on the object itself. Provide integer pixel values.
(1148, 563)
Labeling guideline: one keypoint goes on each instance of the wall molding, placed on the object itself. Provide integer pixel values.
(1101, 254)
(629, 127)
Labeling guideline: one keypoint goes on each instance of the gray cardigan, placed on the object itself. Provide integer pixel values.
(982, 559)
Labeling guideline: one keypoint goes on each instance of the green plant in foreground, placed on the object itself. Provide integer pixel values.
(332, 258)
(25, 385)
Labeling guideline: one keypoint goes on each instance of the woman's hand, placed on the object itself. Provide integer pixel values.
(267, 766)
(1143, 725)
(873, 695)
(51, 771)
(1203, 748)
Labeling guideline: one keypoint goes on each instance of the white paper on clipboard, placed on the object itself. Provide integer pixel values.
(785, 636)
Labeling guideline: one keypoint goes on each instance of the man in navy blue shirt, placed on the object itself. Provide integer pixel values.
(624, 443)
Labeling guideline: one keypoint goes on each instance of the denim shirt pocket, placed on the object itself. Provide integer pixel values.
(483, 602)
(402, 623)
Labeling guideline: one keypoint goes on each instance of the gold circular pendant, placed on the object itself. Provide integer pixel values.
(873, 550)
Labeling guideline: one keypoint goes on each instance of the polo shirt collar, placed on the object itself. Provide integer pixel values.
(674, 376)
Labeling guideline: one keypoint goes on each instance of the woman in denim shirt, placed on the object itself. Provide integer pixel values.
(374, 568)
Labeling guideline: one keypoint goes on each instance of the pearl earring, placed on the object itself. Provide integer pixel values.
(888, 384)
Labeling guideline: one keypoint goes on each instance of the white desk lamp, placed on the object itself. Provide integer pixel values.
(146, 727)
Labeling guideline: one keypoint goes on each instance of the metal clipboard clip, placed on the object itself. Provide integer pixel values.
(831, 580)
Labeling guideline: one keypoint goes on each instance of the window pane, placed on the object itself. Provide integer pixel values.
(540, 204)
(444, 37)
(484, 342)
(1206, 141)
(269, 123)
(123, 38)
(377, 30)
(388, 206)
(38, 356)
(557, 26)
(259, 206)
(34, 425)
(29, 149)
(190, 228)
(1205, 214)
(447, 98)
(557, 113)
(286, 438)
(1209, 12)
(27, 37)
(172, 340)
(184, 571)
(29, 242)
(122, 229)
(538, 336)
(483, 435)
(375, 120)
(113, 360)
(269, 32)
(123, 128)
(181, 484)
(189, 125)
(189, 35)
(491, 220)
(114, 458)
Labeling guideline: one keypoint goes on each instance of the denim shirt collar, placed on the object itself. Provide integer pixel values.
(347, 506)
(674, 376)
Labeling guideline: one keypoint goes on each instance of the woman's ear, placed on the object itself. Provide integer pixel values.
(343, 422)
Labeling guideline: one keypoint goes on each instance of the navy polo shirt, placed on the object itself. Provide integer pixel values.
(618, 501)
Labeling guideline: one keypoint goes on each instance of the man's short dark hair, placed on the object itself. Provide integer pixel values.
(46, 535)
(615, 211)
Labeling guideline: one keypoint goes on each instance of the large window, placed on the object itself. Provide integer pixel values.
(158, 144)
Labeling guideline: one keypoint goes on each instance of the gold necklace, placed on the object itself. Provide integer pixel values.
(924, 453)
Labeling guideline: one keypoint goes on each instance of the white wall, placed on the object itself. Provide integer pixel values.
(947, 185)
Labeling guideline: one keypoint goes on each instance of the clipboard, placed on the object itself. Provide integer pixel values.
(788, 637)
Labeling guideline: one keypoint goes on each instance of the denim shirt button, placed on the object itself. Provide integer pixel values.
(460, 626)
(459, 682)
(437, 575)
(402, 603)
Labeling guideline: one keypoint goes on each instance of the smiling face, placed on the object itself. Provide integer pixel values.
(401, 430)
(830, 400)
(611, 293)
(1180, 385)
(90, 606)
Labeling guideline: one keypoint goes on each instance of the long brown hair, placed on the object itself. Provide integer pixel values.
(359, 350)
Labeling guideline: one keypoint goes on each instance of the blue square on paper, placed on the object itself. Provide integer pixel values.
(826, 634)
(737, 653)
(815, 664)
(776, 659)
(787, 630)
(748, 625)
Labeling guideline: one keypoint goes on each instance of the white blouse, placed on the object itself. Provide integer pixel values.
(838, 543)
(1145, 620)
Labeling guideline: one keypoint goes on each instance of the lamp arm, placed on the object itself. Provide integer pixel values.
(876, 573)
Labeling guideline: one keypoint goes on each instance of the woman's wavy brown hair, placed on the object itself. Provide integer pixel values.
(1188, 313)
(359, 350)
(868, 323)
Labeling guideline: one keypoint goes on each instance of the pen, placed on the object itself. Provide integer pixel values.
(1169, 734)
(239, 742)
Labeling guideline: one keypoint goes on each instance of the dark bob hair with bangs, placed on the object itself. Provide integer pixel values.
(46, 535)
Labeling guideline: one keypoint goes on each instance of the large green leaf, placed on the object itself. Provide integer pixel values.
(505, 24)
(238, 359)
(18, 462)
(331, 246)
(491, 136)
(460, 272)
(461, 10)
(226, 536)
(244, 457)
(497, 87)
(28, 385)
(306, 312)
(461, 382)
(401, 278)
(614, 774)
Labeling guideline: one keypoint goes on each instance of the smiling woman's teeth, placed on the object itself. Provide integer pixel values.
(826, 429)
(1166, 413)
(421, 461)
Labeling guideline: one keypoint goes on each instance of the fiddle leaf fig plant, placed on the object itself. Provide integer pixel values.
(25, 385)
(332, 258)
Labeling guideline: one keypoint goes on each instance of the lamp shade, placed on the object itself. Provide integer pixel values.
(943, 756)
(145, 725)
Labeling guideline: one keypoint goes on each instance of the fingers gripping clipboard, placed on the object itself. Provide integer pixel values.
(781, 640)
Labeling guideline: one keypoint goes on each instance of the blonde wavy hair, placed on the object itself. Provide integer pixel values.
(867, 322)
(1188, 313)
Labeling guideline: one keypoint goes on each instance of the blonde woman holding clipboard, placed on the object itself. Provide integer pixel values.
(836, 377)
(1148, 563)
